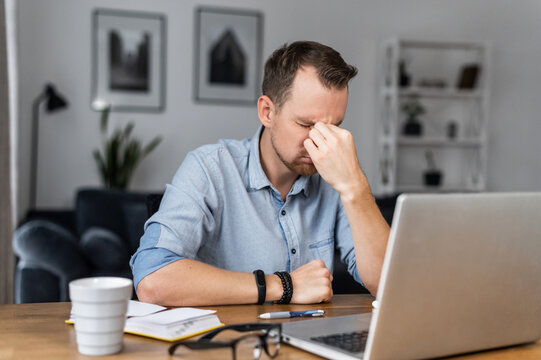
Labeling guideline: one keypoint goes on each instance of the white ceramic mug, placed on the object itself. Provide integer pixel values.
(99, 306)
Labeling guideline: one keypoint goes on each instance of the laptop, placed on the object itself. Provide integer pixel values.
(461, 274)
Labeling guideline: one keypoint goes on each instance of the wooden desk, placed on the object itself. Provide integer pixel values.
(38, 331)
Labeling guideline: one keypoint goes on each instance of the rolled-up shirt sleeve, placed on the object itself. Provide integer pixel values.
(148, 257)
(186, 217)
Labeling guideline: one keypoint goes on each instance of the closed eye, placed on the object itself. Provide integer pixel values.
(304, 125)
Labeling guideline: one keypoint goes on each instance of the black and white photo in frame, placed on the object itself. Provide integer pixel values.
(228, 55)
(128, 54)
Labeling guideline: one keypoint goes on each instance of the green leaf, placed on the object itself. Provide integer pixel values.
(152, 145)
(112, 157)
(127, 130)
(101, 166)
(131, 158)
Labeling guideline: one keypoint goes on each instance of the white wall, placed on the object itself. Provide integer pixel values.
(55, 45)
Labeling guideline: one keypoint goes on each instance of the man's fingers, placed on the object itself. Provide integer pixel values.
(317, 137)
(313, 281)
(335, 129)
(310, 147)
(325, 129)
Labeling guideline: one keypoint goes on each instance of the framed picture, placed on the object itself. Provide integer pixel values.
(128, 56)
(228, 47)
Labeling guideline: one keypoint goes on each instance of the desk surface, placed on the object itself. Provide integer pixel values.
(38, 331)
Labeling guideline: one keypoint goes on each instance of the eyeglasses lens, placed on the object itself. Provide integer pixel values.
(249, 348)
(273, 342)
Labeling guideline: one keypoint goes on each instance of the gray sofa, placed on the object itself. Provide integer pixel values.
(97, 238)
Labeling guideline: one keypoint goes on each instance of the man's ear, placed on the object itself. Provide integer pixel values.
(265, 110)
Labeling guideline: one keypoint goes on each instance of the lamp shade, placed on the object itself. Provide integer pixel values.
(54, 100)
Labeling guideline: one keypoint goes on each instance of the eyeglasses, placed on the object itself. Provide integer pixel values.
(246, 347)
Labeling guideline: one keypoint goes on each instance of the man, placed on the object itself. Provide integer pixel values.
(277, 202)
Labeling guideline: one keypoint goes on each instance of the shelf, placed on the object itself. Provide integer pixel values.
(403, 159)
(440, 45)
(438, 141)
(444, 93)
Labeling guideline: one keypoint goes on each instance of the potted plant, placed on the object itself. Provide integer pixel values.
(121, 153)
(412, 108)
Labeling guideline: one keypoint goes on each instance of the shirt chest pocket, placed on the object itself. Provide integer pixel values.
(323, 249)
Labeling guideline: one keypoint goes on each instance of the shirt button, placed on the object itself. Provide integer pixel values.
(293, 251)
(283, 212)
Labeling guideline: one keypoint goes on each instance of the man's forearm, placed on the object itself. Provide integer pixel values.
(333, 152)
(188, 282)
(370, 233)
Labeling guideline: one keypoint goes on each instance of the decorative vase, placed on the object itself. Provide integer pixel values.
(404, 79)
(452, 130)
(412, 127)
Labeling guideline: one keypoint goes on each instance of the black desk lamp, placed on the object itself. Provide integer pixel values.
(54, 102)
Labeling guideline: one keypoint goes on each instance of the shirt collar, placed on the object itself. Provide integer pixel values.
(257, 179)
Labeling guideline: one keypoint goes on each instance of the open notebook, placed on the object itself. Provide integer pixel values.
(166, 324)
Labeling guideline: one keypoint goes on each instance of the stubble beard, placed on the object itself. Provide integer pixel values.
(296, 166)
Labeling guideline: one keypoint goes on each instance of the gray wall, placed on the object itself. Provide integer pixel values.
(54, 39)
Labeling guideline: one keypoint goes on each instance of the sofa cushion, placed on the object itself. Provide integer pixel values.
(41, 244)
(50, 246)
(36, 285)
(104, 249)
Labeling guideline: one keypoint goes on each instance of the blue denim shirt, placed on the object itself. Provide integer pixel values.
(222, 210)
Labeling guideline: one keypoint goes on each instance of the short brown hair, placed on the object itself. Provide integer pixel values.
(281, 68)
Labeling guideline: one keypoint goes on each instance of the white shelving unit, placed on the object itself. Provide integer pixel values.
(434, 69)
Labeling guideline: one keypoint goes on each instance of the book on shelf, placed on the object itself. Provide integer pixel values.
(166, 324)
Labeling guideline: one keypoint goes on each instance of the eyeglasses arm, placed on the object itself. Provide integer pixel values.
(199, 345)
(244, 327)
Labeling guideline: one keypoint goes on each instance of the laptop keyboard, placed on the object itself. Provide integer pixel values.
(353, 341)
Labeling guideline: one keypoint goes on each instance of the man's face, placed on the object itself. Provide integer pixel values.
(309, 102)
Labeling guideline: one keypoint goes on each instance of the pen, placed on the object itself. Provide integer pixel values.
(290, 314)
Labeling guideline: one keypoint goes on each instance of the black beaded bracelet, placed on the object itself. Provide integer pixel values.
(287, 285)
